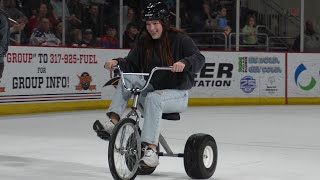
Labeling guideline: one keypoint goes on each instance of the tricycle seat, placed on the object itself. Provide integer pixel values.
(171, 116)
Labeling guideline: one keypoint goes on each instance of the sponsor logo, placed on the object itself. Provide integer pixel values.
(247, 84)
(298, 72)
(259, 65)
(84, 84)
(214, 75)
(271, 87)
(243, 64)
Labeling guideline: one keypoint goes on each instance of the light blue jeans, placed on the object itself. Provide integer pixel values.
(154, 102)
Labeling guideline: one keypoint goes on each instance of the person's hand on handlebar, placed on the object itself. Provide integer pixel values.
(110, 64)
(178, 67)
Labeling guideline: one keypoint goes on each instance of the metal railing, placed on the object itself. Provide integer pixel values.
(264, 41)
(258, 45)
(276, 7)
(275, 36)
(277, 18)
(274, 39)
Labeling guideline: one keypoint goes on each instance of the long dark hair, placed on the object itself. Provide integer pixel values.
(147, 46)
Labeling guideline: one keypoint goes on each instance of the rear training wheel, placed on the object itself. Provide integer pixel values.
(124, 150)
(200, 156)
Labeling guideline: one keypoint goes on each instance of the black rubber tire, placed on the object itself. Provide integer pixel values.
(193, 156)
(112, 142)
(131, 138)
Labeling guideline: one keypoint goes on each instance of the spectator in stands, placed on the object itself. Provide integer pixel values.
(221, 21)
(185, 18)
(9, 6)
(76, 10)
(110, 40)
(29, 5)
(206, 24)
(93, 21)
(311, 39)
(58, 30)
(214, 4)
(88, 39)
(42, 36)
(75, 37)
(209, 20)
(57, 11)
(250, 29)
(108, 11)
(34, 20)
(131, 17)
(34, 13)
(130, 35)
(197, 16)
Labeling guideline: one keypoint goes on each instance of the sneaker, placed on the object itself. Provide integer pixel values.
(103, 130)
(150, 158)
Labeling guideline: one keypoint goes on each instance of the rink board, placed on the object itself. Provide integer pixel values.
(12, 109)
(45, 79)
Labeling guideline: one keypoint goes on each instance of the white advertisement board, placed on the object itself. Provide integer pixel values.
(53, 74)
(303, 75)
(241, 74)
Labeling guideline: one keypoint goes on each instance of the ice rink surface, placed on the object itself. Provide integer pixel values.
(254, 143)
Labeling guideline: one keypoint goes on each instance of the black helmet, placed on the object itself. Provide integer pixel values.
(156, 11)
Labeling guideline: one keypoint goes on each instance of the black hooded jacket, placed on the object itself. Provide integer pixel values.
(183, 49)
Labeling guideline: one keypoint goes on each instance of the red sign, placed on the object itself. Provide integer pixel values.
(294, 11)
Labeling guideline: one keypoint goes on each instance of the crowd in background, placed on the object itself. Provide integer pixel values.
(88, 23)
(95, 23)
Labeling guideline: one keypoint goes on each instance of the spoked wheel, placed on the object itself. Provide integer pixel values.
(124, 150)
(200, 156)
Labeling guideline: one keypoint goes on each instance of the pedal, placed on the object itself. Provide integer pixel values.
(143, 166)
(101, 133)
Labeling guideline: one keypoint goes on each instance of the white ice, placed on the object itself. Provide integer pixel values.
(254, 143)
